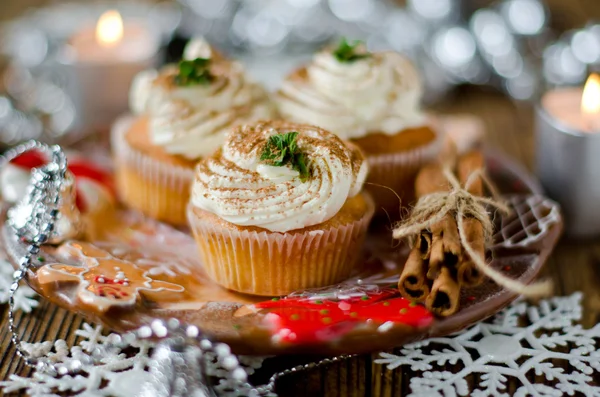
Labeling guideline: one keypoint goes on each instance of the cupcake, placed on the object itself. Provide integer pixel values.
(372, 99)
(181, 115)
(279, 208)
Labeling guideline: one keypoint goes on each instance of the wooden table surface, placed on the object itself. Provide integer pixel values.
(573, 266)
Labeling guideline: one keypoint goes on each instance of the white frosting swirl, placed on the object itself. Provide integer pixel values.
(237, 186)
(191, 121)
(378, 94)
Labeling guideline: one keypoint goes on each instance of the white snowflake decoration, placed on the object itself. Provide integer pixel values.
(501, 349)
(104, 369)
(112, 374)
(25, 297)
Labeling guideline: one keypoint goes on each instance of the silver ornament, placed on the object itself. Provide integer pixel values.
(176, 369)
(51, 191)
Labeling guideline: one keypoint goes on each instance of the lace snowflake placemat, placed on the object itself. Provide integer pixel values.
(539, 348)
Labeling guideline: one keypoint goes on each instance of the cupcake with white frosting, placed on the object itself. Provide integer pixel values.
(372, 99)
(182, 113)
(279, 208)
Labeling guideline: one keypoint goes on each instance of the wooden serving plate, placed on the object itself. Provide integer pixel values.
(136, 269)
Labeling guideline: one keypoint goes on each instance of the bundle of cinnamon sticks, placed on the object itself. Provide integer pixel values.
(438, 266)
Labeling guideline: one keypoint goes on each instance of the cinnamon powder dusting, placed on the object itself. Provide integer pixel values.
(227, 180)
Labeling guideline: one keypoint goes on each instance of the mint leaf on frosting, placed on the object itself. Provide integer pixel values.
(347, 52)
(282, 149)
(194, 72)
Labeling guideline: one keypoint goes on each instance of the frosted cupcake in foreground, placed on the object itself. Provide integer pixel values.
(279, 208)
(182, 113)
(372, 99)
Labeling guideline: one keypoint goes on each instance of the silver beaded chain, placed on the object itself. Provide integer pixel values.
(45, 185)
(36, 226)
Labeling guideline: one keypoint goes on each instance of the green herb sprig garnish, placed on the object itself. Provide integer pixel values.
(282, 149)
(346, 52)
(194, 72)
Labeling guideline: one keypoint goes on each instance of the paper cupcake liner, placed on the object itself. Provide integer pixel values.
(270, 263)
(158, 189)
(395, 173)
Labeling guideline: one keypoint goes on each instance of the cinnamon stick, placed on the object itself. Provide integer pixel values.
(467, 164)
(468, 274)
(445, 245)
(425, 244)
(430, 180)
(444, 296)
(413, 284)
(445, 249)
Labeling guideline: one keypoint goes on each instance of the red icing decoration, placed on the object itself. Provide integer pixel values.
(304, 320)
(80, 203)
(30, 159)
(110, 291)
(87, 170)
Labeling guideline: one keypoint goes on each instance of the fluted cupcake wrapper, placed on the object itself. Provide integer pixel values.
(392, 176)
(158, 189)
(270, 263)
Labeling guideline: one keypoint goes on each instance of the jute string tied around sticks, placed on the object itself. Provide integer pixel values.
(432, 208)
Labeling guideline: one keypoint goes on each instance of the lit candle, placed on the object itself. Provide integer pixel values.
(576, 108)
(104, 59)
(568, 153)
(109, 29)
(590, 104)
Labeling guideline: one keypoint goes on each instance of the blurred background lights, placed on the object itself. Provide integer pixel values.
(525, 17)
(454, 47)
(404, 32)
(210, 9)
(166, 18)
(50, 98)
(266, 30)
(491, 32)
(5, 108)
(432, 9)
(522, 87)
(303, 3)
(509, 66)
(570, 64)
(351, 10)
(63, 120)
(561, 66)
(31, 48)
(586, 46)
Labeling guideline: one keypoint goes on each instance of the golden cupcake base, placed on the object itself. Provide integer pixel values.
(256, 261)
(149, 180)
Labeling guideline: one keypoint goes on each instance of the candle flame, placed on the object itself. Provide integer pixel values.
(109, 30)
(590, 101)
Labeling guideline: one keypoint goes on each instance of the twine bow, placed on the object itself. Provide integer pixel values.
(432, 208)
